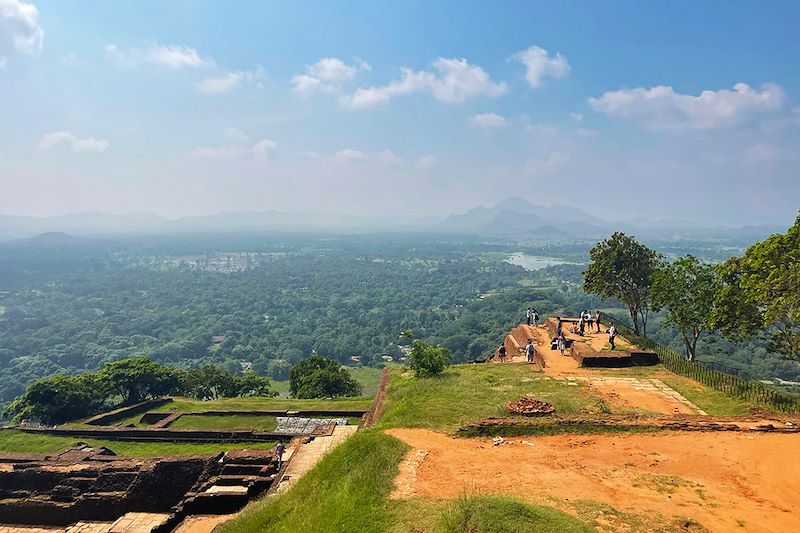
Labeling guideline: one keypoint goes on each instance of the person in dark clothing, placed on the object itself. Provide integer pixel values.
(558, 326)
(597, 319)
(501, 352)
(529, 351)
(279, 449)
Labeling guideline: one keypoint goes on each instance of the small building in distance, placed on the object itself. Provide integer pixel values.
(217, 339)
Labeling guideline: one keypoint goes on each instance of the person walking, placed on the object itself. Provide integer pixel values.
(597, 320)
(529, 315)
(535, 318)
(279, 449)
(612, 335)
(562, 344)
(501, 352)
(529, 350)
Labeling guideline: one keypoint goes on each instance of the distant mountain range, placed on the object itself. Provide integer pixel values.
(511, 218)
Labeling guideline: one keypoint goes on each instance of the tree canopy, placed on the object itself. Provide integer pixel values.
(621, 268)
(426, 360)
(761, 292)
(686, 289)
(321, 377)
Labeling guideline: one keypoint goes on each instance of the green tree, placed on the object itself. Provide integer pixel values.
(686, 290)
(622, 268)
(251, 384)
(139, 378)
(761, 293)
(426, 360)
(59, 398)
(321, 377)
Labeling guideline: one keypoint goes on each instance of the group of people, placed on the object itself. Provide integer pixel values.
(533, 317)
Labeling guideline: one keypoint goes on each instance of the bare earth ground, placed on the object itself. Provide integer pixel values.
(724, 481)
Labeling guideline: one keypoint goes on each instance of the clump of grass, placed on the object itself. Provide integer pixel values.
(499, 514)
(603, 517)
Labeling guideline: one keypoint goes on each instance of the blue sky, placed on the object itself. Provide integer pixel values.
(626, 109)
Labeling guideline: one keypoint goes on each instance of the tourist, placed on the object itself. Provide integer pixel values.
(279, 449)
(597, 320)
(529, 315)
(612, 334)
(558, 325)
(581, 325)
(529, 349)
(562, 344)
(589, 319)
(501, 352)
(535, 318)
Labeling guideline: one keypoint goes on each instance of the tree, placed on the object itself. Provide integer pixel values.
(139, 378)
(426, 360)
(59, 398)
(321, 377)
(761, 293)
(622, 268)
(686, 289)
(251, 384)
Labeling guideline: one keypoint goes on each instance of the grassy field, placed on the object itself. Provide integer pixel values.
(13, 441)
(262, 423)
(349, 489)
(186, 405)
(466, 393)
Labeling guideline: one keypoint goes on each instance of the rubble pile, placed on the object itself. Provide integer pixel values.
(530, 406)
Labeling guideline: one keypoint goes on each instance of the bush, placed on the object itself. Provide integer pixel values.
(321, 377)
(426, 360)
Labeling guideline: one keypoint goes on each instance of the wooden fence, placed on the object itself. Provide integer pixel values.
(752, 391)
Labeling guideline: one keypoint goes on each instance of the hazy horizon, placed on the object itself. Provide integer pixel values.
(626, 110)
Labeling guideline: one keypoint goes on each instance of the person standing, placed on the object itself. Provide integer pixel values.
(589, 320)
(581, 325)
(559, 325)
(529, 350)
(597, 320)
(501, 352)
(612, 335)
(562, 344)
(535, 318)
(279, 449)
(529, 315)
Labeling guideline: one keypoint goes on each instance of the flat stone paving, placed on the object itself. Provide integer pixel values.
(307, 455)
(128, 523)
(650, 385)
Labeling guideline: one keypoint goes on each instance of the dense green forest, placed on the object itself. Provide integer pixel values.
(270, 301)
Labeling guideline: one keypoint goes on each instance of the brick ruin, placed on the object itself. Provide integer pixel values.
(86, 483)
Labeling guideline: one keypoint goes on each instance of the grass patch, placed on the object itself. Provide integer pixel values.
(13, 441)
(605, 518)
(710, 400)
(498, 514)
(259, 422)
(346, 491)
(186, 405)
(466, 393)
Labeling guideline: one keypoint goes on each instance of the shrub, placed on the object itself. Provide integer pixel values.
(321, 377)
(426, 360)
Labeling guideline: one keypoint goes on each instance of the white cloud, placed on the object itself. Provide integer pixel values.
(326, 75)
(489, 120)
(176, 56)
(552, 162)
(20, 32)
(576, 117)
(387, 157)
(264, 146)
(89, 144)
(172, 56)
(427, 162)
(236, 135)
(348, 154)
(454, 81)
(662, 109)
(230, 81)
(539, 64)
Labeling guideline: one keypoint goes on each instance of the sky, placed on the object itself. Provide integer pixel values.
(678, 110)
